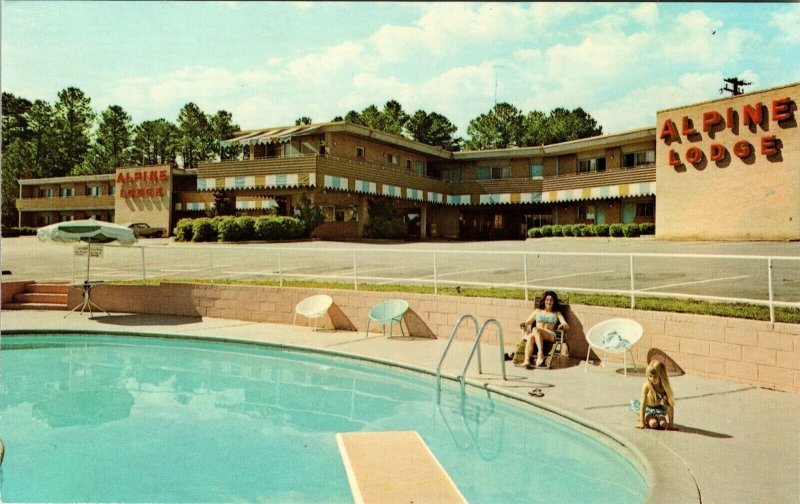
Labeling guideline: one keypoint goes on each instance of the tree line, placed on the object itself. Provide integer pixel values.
(68, 137)
(503, 126)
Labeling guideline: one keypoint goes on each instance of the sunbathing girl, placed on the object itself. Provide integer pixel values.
(656, 408)
(547, 316)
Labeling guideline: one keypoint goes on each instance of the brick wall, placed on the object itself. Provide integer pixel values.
(753, 352)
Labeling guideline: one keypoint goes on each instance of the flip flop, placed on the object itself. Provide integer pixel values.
(537, 392)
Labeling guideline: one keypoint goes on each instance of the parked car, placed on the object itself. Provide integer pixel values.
(143, 230)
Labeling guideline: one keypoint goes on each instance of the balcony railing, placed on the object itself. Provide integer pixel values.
(66, 203)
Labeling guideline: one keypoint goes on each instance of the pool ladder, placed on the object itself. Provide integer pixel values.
(475, 347)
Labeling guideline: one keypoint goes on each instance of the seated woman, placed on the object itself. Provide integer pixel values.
(547, 316)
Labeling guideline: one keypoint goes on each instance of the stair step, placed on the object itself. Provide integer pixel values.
(45, 288)
(41, 297)
(34, 306)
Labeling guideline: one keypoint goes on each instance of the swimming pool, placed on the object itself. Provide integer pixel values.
(144, 419)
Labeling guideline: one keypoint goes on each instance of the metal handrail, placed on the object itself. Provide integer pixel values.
(447, 347)
(476, 346)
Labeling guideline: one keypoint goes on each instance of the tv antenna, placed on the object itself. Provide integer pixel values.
(737, 84)
(495, 67)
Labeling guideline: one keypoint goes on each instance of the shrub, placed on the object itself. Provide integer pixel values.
(647, 228)
(248, 226)
(310, 215)
(556, 229)
(582, 230)
(273, 228)
(547, 230)
(630, 230)
(601, 229)
(535, 233)
(380, 227)
(204, 230)
(615, 230)
(577, 229)
(184, 230)
(590, 230)
(566, 229)
(229, 230)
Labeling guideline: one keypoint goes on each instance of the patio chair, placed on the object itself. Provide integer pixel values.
(388, 312)
(614, 336)
(313, 308)
(551, 349)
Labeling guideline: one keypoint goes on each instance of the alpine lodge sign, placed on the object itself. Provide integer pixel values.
(142, 183)
(752, 116)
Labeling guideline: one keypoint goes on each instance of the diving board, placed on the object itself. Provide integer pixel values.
(394, 467)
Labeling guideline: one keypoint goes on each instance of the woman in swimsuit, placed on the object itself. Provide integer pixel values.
(547, 316)
(656, 408)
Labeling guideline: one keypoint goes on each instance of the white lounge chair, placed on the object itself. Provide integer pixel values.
(388, 312)
(614, 336)
(313, 308)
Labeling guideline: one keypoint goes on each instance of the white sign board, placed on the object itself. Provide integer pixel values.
(81, 249)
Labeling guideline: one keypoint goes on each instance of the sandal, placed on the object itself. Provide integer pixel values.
(537, 392)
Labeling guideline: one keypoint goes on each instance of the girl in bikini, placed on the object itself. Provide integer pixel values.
(656, 408)
(547, 316)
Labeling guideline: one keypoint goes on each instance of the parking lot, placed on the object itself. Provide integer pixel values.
(725, 270)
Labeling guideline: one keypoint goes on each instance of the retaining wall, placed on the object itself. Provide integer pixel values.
(758, 353)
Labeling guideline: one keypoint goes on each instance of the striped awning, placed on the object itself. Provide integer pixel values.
(271, 135)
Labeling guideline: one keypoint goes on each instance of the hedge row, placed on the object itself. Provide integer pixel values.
(233, 229)
(627, 230)
(11, 232)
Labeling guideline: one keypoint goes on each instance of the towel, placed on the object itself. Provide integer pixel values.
(614, 341)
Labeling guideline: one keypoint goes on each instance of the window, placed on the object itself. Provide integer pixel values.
(592, 165)
(67, 191)
(585, 212)
(647, 209)
(93, 191)
(408, 164)
(454, 175)
(420, 168)
(45, 193)
(111, 190)
(492, 172)
(537, 171)
(639, 158)
(498, 221)
(391, 159)
(360, 152)
(340, 213)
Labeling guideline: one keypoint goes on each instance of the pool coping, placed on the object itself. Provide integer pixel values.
(679, 486)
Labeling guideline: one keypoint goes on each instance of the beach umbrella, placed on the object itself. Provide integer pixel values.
(88, 231)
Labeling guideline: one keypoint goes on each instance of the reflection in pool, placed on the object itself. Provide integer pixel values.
(133, 419)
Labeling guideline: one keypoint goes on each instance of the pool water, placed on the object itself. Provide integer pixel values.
(99, 418)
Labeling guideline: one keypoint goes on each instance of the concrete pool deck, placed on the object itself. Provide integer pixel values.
(736, 444)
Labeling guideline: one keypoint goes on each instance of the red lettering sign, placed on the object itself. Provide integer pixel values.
(162, 175)
(668, 132)
(742, 149)
(781, 109)
(686, 128)
(717, 152)
(158, 191)
(769, 145)
(752, 115)
(674, 159)
(694, 155)
(729, 118)
(711, 119)
(120, 178)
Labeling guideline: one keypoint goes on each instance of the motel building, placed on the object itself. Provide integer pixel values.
(726, 169)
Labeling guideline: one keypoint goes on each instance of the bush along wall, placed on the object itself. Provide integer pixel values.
(234, 229)
(616, 230)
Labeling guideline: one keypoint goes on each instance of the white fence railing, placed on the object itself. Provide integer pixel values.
(772, 281)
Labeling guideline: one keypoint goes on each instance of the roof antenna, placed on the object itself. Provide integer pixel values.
(737, 84)
(495, 67)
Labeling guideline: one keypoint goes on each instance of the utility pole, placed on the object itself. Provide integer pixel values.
(737, 84)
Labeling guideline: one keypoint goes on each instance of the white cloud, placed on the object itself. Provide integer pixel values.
(645, 13)
(330, 63)
(788, 23)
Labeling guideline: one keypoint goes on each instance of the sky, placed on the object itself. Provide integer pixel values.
(269, 63)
